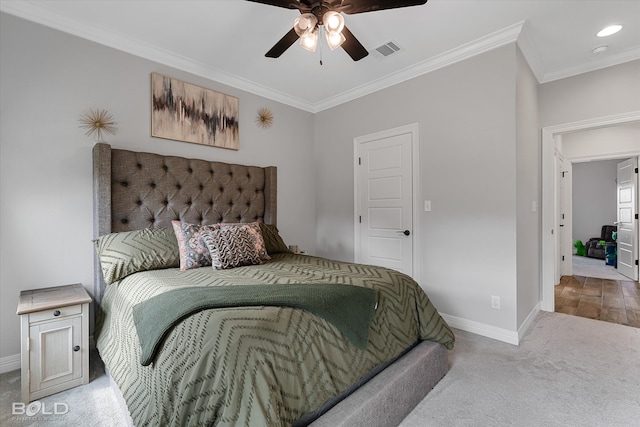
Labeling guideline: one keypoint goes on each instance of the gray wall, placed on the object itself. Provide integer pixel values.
(467, 120)
(594, 197)
(528, 182)
(48, 79)
(602, 93)
(602, 143)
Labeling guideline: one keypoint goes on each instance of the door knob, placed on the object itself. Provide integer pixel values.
(406, 232)
(76, 348)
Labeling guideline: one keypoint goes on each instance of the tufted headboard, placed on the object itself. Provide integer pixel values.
(135, 190)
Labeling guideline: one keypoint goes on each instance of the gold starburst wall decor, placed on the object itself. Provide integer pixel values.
(98, 123)
(265, 118)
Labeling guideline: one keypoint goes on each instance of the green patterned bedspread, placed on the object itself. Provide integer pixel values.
(256, 366)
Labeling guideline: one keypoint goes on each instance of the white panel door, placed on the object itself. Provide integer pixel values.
(627, 219)
(385, 208)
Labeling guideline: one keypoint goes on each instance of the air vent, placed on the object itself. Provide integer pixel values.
(388, 49)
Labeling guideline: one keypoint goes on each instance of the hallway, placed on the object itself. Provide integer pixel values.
(615, 301)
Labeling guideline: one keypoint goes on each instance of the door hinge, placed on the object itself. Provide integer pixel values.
(360, 219)
(636, 216)
(636, 262)
(636, 170)
(563, 257)
(359, 160)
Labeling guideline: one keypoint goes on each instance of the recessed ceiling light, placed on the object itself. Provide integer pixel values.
(611, 29)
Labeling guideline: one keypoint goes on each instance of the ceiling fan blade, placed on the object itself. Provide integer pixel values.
(283, 44)
(361, 6)
(352, 46)
(287, 4)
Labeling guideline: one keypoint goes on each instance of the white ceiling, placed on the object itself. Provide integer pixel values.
(225, 40)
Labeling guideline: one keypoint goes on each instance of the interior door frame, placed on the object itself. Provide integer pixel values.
(549, 189)
(412, 129)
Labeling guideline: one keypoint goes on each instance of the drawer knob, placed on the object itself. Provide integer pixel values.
(56, 313)
(76, 348)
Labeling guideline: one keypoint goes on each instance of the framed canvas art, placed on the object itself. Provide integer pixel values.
(190, 113)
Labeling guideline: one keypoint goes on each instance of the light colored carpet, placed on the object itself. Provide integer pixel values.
(568, 371)
(91, 405)
(593, 267)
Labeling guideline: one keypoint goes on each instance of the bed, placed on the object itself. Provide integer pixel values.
(266, 362)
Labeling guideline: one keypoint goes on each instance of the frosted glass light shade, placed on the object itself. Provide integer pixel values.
(310, 41)
(333, 22)
(305, 24)
(334, 40)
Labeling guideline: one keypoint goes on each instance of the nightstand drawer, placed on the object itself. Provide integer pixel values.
(55, 313)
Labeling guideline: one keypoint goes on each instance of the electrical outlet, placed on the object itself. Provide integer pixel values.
(495, 302)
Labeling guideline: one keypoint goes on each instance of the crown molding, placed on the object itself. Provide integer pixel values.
(621, 58)
(49, 18)
(531, 53)
(513, 33)
(465, 51)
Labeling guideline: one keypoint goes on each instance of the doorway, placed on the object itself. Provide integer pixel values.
(550, 224)
(592, 287)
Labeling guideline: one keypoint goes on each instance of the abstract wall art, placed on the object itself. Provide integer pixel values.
(190, 113)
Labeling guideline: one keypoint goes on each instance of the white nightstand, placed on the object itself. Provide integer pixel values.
(55, 340)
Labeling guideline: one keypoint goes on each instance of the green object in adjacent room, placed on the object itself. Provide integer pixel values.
(580, 248)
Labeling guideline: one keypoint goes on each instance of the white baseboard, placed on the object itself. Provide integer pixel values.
(524, 328)
(500, 334)
(9, 363)
(13, 362)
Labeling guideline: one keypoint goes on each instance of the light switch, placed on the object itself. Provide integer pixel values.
(427, 205)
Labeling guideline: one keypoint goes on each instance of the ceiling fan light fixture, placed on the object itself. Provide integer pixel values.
(333, 22)
(310, 41)
(305, 24)
(334, 40)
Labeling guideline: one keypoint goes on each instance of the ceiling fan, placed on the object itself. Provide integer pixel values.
(324, 16)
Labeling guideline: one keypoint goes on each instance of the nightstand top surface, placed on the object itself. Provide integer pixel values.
(47, 298)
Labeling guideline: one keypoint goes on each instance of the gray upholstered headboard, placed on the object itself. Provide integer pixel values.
(135, 190)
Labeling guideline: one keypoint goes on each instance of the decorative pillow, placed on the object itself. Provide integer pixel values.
(254, 229)
(231, 247)
(193, 250)
(128, 252)
(272, 240)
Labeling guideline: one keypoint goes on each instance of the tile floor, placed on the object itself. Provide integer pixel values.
(616, 301)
